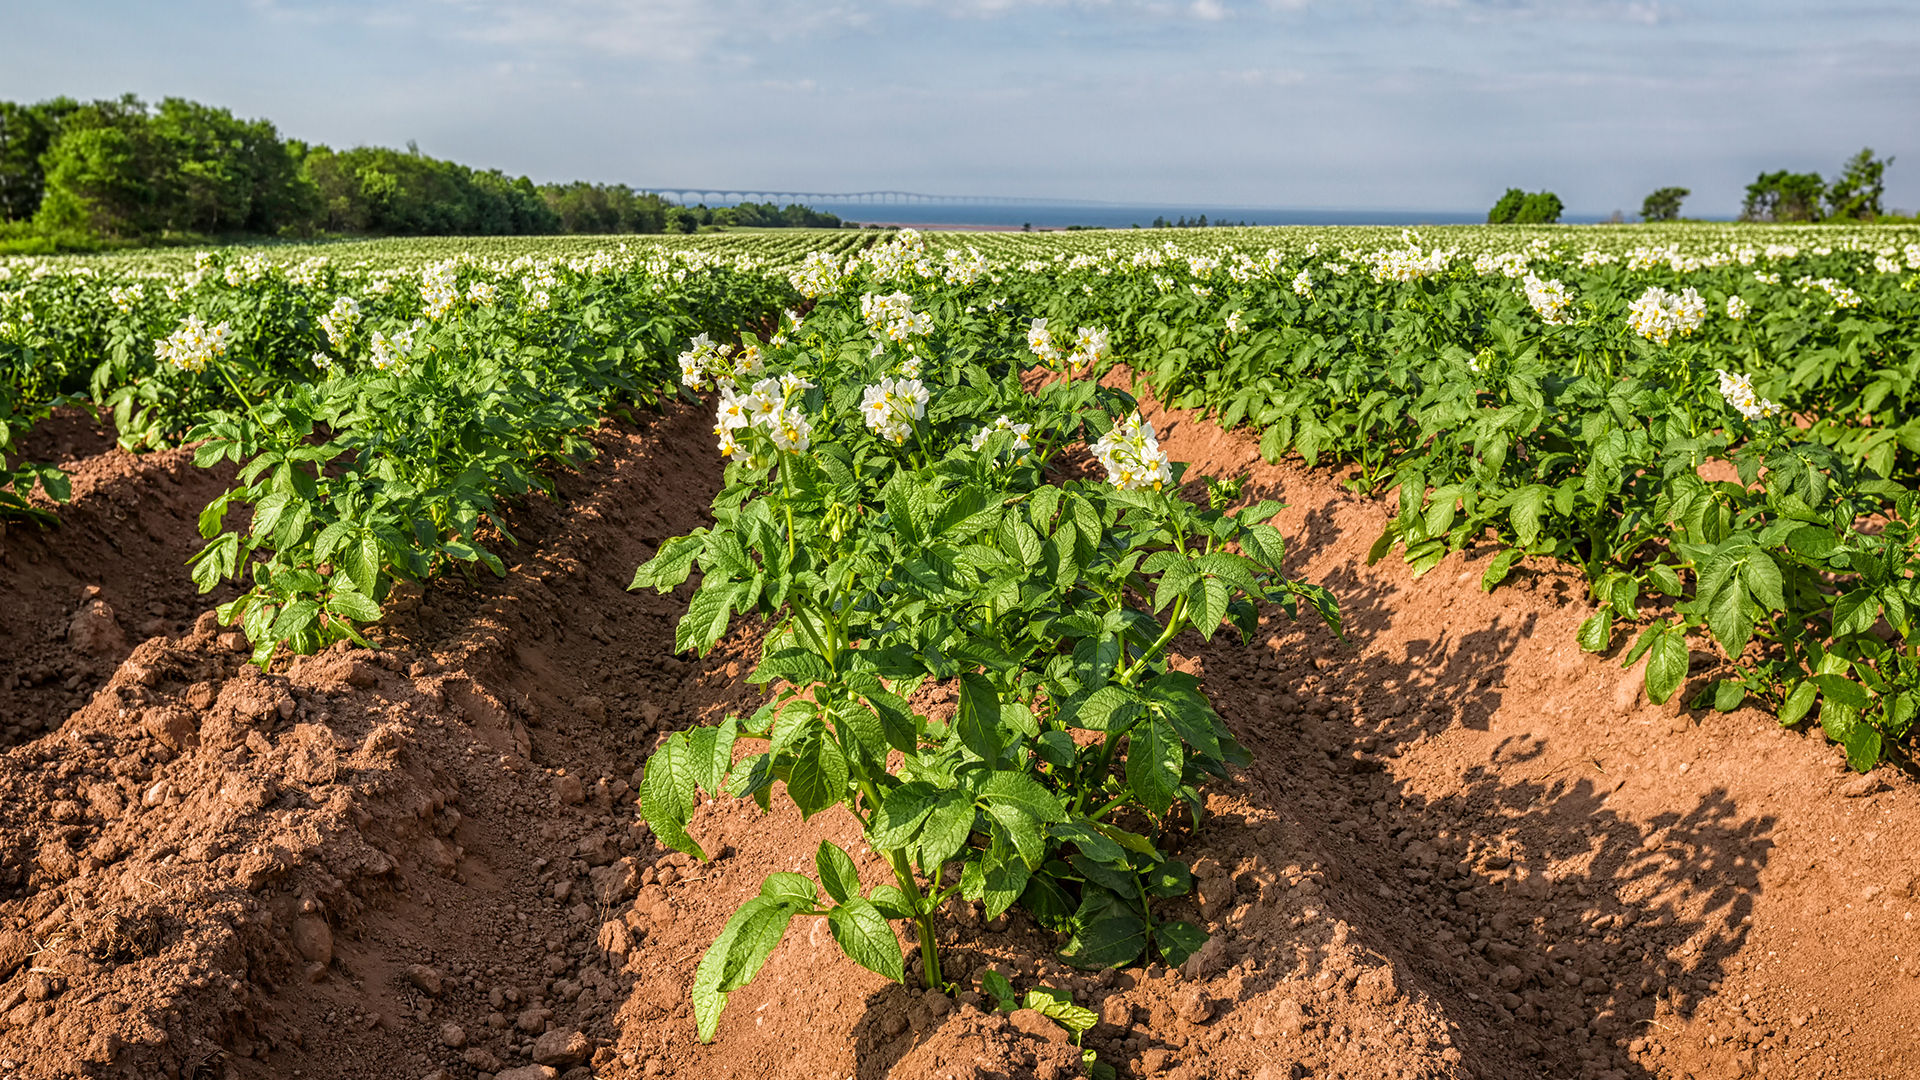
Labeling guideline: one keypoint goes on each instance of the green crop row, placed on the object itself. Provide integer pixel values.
(901, 509)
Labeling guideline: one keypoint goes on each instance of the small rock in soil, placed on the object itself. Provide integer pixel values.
(528, 1072)
(1195, 1007)
(1861, 786)
(568, 790)
(1115, 1012)
(313, 938)
(561, 1048)
(453, 1035)
(426, 979)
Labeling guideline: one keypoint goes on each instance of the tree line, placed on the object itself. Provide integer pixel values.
(1773, 196)
(77, 173)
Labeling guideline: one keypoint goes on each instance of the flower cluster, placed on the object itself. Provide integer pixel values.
(248, 269)
(1550, 300)
(482, 294)
(1021, 442)
(1842, 295)
(1040, 341)
(964, 269)
(125, 297)
(339, 321)
(891, 406)
(391, 352)
(892, 317)
(1132, 456)
(1303, 284)
(1234, 323)
(439, 289)
(1737, 307)
(193, 346)
(767, 406)
(1410, 264)
(1510, 264)
(1659, 315)
(1738, 390)
(821, 274)
(719, 363)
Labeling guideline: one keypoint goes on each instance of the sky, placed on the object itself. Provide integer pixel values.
(1342, 104)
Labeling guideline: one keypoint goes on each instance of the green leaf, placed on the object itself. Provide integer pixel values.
(1107, 931)
(1153, 764)
(1799, 700)
(865, 936)
(949, 823)
(1728, 620)
(1727, 695)
(978, 722)
(671, 564)
(1058, 1007)
(1177, 941)
(349, 603)
(667, 794)
(1666, 666)
(837, 872)
(706, 618)
(794, 890)
(1855, 612)
(1843, 724)
(1528, 504)
(901, 813)
(1763, 580)
(818, 777)
(996, 985)
(1499, 568)
(765, 923)
(1022, 792)
(1596, 631)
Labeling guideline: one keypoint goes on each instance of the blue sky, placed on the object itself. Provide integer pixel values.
(1362, 104)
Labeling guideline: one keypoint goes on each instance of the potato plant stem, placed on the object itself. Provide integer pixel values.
(923, 919)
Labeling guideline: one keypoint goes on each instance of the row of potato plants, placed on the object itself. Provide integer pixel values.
(378, 420)
(1599, 413)
(915, 506)
(83, 331)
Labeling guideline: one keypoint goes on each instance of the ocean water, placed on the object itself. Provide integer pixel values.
(1121, 216)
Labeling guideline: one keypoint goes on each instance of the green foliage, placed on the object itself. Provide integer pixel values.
(1856, 194)
(1507, 207)
(1048, 606)
(1784, 196)
(1518, 207)
(1663, 204)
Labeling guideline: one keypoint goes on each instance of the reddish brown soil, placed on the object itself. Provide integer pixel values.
(1464, 849)
(76, 598)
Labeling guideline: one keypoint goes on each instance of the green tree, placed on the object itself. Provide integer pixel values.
(96, 181)
(1862, 181)
(1784, 196)
(1663, 205)
(1539, 208)
(1505, 210)
(26, 133)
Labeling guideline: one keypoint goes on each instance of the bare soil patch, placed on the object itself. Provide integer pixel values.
(1464, 849)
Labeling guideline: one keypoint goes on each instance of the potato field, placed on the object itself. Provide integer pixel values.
(1230, 654)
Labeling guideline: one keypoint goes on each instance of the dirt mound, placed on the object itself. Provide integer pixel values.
(76, 597)
(1464, 849)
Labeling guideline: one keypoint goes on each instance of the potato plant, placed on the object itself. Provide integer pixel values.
(886, 564)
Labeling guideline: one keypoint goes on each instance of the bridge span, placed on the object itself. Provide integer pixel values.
(688, 196)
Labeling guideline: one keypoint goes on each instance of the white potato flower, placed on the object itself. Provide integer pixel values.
(1132, 457)
(1738, 390)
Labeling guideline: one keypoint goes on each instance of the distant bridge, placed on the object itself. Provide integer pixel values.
(723, 196)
